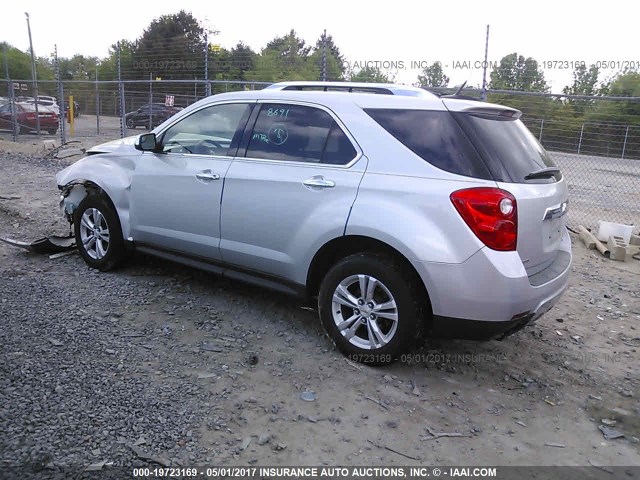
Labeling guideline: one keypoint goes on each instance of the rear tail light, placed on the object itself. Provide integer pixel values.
(491, 214)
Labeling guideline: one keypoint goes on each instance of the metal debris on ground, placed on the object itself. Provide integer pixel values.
(51, 244)
(61, 254)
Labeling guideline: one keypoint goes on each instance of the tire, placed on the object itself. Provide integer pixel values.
(106, 251)
(52, 131)
(353, 326)
(130, 123)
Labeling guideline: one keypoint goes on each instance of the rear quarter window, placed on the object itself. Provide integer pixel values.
(508, 148)
(435, 137)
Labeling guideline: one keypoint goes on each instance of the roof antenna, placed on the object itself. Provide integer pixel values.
(460, 89)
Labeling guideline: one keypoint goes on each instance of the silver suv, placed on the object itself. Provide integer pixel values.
(402, 214)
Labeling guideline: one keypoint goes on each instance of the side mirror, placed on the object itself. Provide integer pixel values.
(146, 142)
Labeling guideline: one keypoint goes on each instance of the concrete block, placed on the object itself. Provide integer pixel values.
(617, 248)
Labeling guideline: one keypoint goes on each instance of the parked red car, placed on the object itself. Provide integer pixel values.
(26, 118)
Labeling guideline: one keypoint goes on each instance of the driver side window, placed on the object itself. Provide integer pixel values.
(209, 131)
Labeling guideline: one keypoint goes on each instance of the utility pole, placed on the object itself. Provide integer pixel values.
(62, 116)
(323, 68)
(33, 75)
(483, 95)
(123, 120)
(97, 103)
(206, 65)
(151, 101)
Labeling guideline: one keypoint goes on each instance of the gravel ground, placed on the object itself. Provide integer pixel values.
(162, 361)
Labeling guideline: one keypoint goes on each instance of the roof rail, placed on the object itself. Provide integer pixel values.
(352, 87)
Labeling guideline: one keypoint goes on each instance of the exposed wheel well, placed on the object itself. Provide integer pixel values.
(342, 247)
(90, 188)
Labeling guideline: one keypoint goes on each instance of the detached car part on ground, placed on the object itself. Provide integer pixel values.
(403, 214)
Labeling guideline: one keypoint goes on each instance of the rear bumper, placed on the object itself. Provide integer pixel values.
(490, 293)
(446, 327)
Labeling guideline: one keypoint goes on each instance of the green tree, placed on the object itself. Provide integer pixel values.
(290, 45)
(171, 47)
(230, 64)
(585, 82)
(433, 76)
(518, 73)
(620, 111)
(284, 58)
(612, 125)
(370, 75)
(78, 67)
(19, 62)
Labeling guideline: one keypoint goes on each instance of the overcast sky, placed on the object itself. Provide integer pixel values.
(401, 32)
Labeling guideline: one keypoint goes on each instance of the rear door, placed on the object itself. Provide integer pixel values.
(520, 165)
(289, 190)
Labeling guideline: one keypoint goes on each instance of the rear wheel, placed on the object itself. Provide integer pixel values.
(52, 131)
(370, 307)
(98, 233)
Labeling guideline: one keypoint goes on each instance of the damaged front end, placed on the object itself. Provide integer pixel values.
(70, 197)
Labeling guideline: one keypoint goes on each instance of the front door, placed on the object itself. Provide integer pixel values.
(176, 191)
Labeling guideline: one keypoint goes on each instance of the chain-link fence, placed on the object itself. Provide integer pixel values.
(106, 109)
(595, 140)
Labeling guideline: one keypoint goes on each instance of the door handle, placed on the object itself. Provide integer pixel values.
(319, 182)
(207, 176)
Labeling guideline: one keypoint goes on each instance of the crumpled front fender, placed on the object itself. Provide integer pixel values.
(103, 173)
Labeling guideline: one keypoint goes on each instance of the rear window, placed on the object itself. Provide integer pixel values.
(434, 136)
(508, 148)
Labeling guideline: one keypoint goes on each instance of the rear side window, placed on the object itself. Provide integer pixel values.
(435, 136)
(508, 147)
(338, 149)
(298, 133)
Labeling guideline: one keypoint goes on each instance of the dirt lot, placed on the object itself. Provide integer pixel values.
(163, 360)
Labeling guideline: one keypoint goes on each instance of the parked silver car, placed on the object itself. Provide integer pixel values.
(404, 215)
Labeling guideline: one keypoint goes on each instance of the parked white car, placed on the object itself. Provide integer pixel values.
(50, 102)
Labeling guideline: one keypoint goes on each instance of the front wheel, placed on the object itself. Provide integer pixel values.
(130, 123)
(98, 233)
(370, 307)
